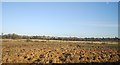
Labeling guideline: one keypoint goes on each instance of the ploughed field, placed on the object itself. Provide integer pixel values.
(58, 52)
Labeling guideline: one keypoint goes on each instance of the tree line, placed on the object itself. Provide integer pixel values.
(16, 36)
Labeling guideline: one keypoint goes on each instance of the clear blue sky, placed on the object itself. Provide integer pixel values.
(60, 0)
(61, 19)
(0, 17)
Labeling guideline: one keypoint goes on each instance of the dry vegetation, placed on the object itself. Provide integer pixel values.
(58, 52)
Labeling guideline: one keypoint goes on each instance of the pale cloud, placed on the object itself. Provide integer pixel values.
(105, 25)
(100, 24)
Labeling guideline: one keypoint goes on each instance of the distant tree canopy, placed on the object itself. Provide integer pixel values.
(11, 36)
(15, 36)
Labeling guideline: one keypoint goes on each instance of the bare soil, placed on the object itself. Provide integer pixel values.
(58, 52)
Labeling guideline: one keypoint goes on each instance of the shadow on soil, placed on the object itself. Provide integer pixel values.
(93, 63)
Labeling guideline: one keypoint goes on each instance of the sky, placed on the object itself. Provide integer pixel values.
(0, 17)
(79, 19)
(60, 0)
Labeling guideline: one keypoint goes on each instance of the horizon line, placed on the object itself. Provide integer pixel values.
(57, 36)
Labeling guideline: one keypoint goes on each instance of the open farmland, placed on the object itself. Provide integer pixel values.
(58, 51)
